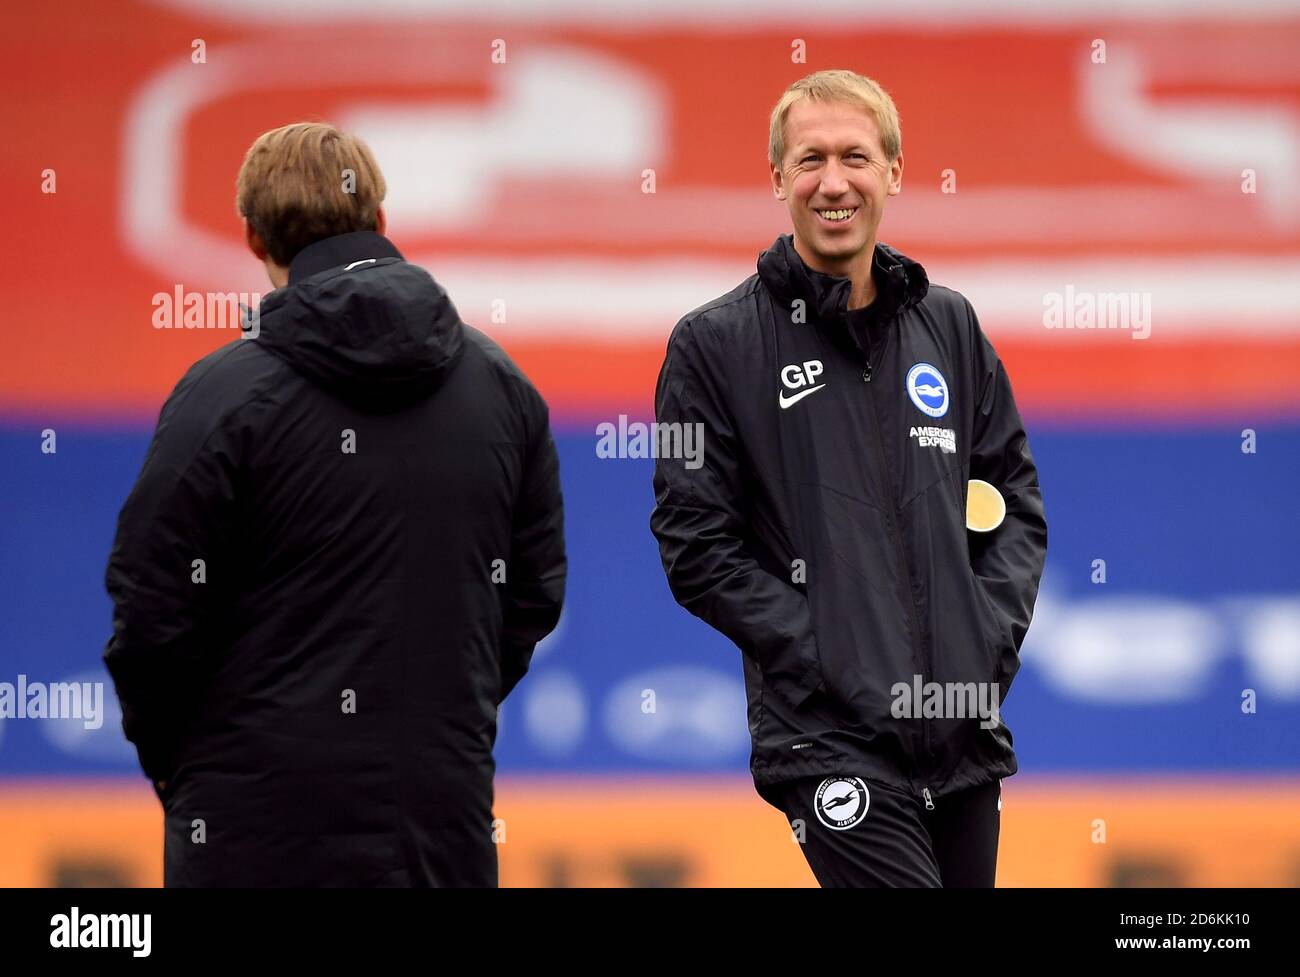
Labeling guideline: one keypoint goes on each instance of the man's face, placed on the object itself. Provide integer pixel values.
(834, 179)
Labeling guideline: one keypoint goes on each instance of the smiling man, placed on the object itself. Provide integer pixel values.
(847, 403)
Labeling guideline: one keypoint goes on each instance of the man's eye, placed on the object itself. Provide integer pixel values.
(808, 159)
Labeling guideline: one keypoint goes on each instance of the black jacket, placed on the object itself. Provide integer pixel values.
(825, 531)
(321, 691)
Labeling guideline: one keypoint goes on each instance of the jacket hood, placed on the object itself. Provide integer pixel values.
(360, 321)
(901, 281)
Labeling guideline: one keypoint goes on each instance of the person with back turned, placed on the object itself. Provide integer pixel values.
(346, 539)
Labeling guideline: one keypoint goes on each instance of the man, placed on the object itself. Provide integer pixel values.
(345, 542)
(846, 403)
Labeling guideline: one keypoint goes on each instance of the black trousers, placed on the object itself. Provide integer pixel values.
(859, 833)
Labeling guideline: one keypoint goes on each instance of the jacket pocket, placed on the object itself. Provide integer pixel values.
(1004, 658)
(792, 668)
(995, 638)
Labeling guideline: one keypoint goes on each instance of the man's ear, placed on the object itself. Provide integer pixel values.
(381, 221)
(254, 241)
(896, 176)
(778, 182)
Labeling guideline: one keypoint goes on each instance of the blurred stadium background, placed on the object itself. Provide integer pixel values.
(520, 186)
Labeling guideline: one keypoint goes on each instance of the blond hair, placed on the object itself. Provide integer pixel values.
(837, 85)
(305, 182)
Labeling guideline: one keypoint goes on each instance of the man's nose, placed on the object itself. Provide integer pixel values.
(833, 180)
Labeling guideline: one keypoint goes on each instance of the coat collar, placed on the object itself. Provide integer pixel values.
(901, 282)
(342, 249)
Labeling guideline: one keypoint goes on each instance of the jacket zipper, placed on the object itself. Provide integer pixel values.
(894, 520)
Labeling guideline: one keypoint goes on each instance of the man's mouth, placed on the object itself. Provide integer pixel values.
(838, 216)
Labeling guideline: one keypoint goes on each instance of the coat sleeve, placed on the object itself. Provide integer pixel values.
(164, 600)
(1008, 562)
(699, 521)
(537, 569)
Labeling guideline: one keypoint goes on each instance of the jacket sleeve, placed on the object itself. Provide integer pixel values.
(179, 512)
(1008, 562)
(537, 569)
(700, 524)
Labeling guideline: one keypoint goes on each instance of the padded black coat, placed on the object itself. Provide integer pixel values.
(373, 490)
(825, 531)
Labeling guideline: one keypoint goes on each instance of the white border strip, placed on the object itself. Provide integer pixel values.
(599, 300)
(741, 15)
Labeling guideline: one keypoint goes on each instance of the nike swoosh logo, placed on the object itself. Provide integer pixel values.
(787, 401)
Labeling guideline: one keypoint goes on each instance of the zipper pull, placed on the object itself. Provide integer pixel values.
(929, 801)
(866, 374)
